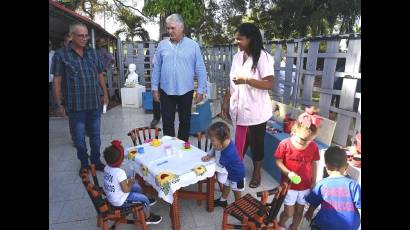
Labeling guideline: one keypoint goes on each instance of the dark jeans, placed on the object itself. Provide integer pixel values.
(156, 110)
(169, 105)
(86, 121)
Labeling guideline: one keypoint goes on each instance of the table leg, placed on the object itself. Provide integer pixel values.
(174, 212)
(210, 184)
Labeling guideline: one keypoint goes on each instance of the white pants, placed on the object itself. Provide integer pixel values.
(235, 186)
(294, 196)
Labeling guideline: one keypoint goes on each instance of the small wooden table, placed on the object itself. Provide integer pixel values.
(208, 196)
(166, 173)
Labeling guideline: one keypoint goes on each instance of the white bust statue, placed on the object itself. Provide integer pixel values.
(132, 78)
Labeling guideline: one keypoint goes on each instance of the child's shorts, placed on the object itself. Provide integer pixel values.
(294, 196)
(235, 186)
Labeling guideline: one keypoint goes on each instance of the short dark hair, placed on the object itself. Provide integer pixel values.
(335, 158)
(111, 155)
(219, 130)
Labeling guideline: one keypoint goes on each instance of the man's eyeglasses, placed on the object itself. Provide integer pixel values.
(83, 36)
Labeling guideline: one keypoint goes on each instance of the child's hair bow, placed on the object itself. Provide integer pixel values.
(310, 117)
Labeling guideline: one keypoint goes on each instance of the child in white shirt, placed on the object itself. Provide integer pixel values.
(121, 191)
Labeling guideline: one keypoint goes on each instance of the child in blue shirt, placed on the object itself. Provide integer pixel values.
(338, 195)
(219, 134)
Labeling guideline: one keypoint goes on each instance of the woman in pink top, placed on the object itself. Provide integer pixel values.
(251, 78)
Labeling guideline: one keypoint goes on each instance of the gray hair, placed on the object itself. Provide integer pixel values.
(175, 18)
(76, 24)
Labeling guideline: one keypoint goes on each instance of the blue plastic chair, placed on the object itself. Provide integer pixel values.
(147, 100)
(201, 119)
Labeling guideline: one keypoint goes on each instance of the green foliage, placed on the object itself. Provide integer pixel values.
(132, 23)
(215, 21)
(191, 10)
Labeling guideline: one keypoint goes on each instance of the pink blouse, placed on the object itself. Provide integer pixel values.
(249, 105)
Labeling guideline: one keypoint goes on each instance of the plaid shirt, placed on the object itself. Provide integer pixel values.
(79, 85)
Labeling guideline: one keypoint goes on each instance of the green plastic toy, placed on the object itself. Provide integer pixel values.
(296, 179)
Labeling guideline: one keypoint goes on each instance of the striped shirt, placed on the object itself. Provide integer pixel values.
(79, 85)
(176, 65)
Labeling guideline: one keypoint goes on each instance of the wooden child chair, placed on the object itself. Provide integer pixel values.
(255, 214)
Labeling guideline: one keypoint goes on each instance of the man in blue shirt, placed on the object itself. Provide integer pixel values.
(78, 79)
(177, 61)
(338, 195)
(156, 108)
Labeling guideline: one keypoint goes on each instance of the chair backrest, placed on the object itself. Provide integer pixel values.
(142, 134)
(208, 143)
(280, 110)
(94, 191)
(326, 131)
(277, 201)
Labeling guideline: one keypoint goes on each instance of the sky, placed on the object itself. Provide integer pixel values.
(111, 25)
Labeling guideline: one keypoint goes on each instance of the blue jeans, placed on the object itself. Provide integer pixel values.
(136, 195)
(86, 121)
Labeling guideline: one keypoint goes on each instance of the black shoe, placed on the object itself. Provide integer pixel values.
(154, 123)
(99, 166)
(153, 219)
(220, 203)
(152, 201)
(83, 166)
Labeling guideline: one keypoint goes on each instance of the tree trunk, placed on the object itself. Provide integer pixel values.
(162, 26)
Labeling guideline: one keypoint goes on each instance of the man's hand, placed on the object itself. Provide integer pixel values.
(206, 158)
(155, 94)
(105, 100)
(198, 98)
(240, 80)
(60, 111)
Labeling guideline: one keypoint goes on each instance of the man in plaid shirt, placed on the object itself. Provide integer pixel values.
(78, 79)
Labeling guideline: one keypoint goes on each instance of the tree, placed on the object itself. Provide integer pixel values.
(133, 25)
(191, 10)
(299, 18)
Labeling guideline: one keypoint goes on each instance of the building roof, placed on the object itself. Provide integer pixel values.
(61, 17)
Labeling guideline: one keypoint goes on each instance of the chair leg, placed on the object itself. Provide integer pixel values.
(98, 221)
(104, 225)
(199, 202)
(142, 222)
(224, 220)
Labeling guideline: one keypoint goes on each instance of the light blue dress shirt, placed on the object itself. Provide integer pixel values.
(176, 65)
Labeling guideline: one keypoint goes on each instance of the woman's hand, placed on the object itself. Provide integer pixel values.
(240, 80)
(225, 105)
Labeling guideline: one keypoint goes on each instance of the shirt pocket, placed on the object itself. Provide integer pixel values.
(72, 70)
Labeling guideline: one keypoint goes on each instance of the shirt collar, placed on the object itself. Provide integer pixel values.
(70, 48)
(176, 44)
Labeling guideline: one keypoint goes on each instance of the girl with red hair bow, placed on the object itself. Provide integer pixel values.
(296, 156)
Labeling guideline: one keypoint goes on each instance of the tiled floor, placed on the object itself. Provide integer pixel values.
(71, 208)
